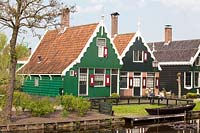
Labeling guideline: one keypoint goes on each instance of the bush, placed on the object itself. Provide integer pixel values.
(81, 105)
(21, 100)
(114, 96)
(191, 95)
(72, 103)
(40, 107)
(66, 101)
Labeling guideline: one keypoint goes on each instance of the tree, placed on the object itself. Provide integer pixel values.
(17, 15)
(21, 52)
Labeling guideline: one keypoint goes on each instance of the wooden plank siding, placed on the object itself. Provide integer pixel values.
(168, 77)
(46, 86)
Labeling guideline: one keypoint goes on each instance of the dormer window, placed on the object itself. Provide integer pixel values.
(137, 56)
(101, 44)
(39, 59)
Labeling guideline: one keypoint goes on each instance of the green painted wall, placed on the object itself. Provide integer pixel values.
(129, 65)
(46, 86)
(91, 60)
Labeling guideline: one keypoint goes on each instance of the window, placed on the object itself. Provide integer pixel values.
(99, 77)
(150, 80)
(196, 79)
(188, 80)
(137, 80)
(83, 81)
(101, 43)
(197, 62)
(123, 80)
(137, 56)
(36, 82)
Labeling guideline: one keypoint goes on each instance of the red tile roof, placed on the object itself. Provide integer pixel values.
(59, 50)
(122, 40)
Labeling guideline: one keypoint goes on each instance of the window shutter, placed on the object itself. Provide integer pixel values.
(130, 82)
(92, 80)
(107, 80)
(105, 52)
(157, 82)
(144, 82)
(145, 56)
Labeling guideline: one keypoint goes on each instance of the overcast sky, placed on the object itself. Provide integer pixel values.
(183, 15)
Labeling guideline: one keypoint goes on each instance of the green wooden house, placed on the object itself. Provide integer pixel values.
(79, 60)
(140, 70)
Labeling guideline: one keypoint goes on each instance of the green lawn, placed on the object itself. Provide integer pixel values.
(133, 110)
(138, 110)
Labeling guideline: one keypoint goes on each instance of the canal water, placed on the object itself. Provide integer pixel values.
(191, 126)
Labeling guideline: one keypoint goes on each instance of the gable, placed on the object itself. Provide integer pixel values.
(91, 58)
(130, 65)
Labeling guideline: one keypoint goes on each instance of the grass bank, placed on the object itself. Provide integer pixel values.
(138, 110)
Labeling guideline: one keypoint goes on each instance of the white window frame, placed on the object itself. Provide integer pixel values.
(198, 79)
(36, 81)
(137, 76)
(95, 74)
(101, 47)
(79, 78)
(185, 86)
(139, 61)
(127, 80)
(150, 76)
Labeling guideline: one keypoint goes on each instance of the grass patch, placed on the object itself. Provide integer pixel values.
(197, 107)
(133, 110)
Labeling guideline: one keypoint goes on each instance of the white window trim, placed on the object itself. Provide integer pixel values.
(188, 87)
(198, 80)
(102, 46)
(127, 81)
(36, 79)
(142, 57)
(154, 79)
(137, 76)
(103, 79)
(86, 83)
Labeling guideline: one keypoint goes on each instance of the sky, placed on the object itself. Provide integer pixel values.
(153, 15)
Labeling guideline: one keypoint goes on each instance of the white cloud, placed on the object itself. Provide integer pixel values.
(192, 5)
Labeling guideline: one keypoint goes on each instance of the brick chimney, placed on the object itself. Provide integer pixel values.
(114, 23)
(168, 33)
(65, 17)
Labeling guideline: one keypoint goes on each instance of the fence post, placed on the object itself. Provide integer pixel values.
(158, 101)
(167, 101)
(128, 101)
(176, 101)
(139, 100)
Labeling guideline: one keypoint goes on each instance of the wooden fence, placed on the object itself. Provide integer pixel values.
(138, 100)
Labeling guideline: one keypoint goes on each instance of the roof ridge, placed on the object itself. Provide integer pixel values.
(176, 41)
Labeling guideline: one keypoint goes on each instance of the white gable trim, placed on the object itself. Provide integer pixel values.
(193, 59)
(22, 62)
(175, 63)
(33, 52)
(138, 34)
(78, 59)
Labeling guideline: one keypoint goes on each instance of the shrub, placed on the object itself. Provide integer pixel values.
(40, 107)
(66, 101)
(81, 105)
(72, 103)
(21, 100)
(114, 95)
(191, 95)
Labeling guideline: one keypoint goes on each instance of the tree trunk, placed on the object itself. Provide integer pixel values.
(12, 70)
